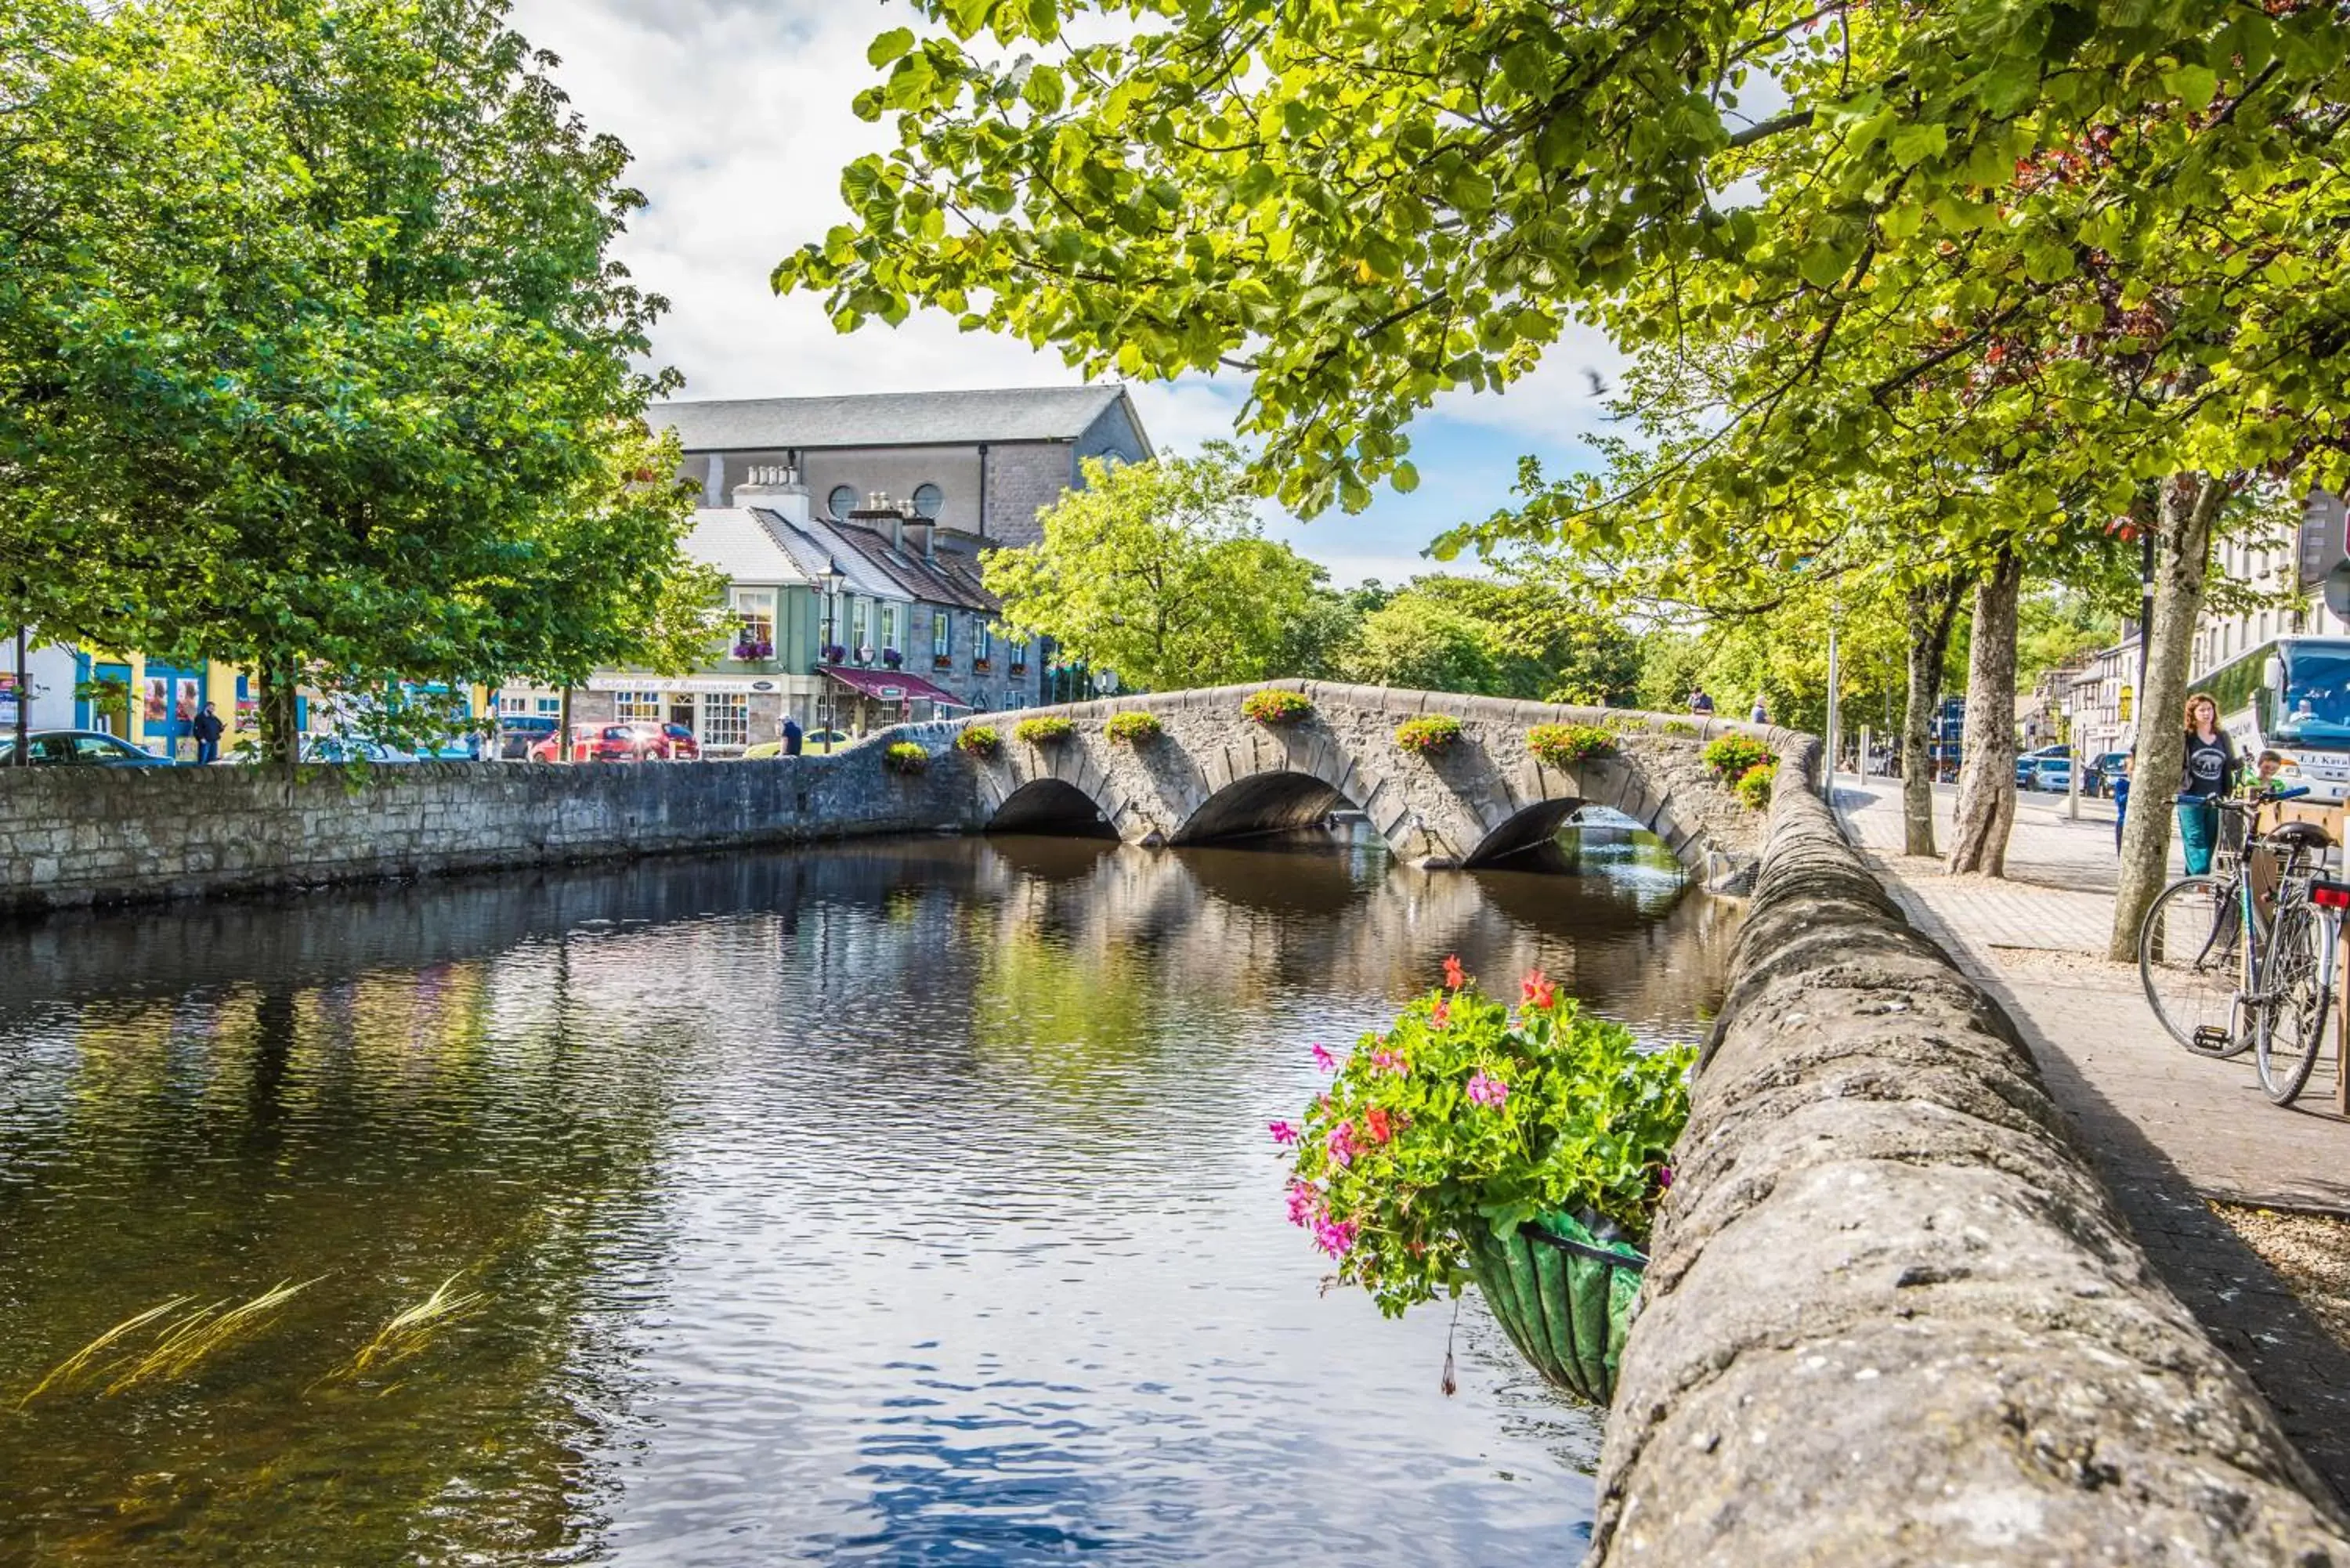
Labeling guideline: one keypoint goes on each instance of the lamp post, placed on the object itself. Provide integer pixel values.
(831, 580)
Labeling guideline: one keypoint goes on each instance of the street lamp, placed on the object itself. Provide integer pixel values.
(830, 580)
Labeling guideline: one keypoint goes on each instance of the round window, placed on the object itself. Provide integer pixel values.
(928, 499)
(843, 500)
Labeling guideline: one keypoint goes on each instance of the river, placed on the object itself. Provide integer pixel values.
(907, 1202)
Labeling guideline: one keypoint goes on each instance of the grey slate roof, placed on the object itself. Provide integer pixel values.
(887, 419)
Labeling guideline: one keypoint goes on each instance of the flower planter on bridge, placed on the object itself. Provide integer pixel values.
(1564, 1297)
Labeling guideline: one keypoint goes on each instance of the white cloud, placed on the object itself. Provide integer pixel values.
(738, 112)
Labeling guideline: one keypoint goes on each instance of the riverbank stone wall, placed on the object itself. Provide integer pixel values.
(1892, 1315)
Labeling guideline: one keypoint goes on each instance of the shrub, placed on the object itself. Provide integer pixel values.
(905, 757)
(1559, 744)
(1680, 728)
(1134, 727)
(1732, 756)
(980, 740)
(1044, 732)
(1275, 707)
(1753, 785)
(1429, 732)
(1466, 1115)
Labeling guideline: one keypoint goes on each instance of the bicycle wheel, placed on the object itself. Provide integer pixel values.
(2189, 952)
(2292, 1023)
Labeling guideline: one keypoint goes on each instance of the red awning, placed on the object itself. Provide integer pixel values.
(888, 685)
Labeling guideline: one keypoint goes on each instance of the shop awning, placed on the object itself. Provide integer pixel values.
(888, 685)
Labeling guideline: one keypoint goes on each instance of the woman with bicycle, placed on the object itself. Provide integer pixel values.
(2207, 779)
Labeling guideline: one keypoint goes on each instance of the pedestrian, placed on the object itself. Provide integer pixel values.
(792, 734)
(207, 729)
(1760, 715)
(2209, 775)
(2270, 764)
(1700, 702)
(2121, 800)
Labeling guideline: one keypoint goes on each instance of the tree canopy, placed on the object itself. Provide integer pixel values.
(1158, 572)
(318, 361)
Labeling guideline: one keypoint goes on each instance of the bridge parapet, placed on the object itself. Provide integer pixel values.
(1213, 773)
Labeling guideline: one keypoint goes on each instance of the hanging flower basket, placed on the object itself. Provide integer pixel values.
(1274, 706)
(834, 653)
(906, 757)
(1522, 1150)
(892, 657)
(1563, 1296)
(1050, 730)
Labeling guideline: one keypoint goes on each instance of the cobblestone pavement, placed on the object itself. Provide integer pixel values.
(2169, 1129)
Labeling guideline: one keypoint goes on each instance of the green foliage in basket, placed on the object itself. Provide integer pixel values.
(1275, 707)
(1134, 727)
(1429, 733)
(1466, 1118)
(1555, 746)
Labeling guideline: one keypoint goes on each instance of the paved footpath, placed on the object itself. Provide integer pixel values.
(2167, 1128)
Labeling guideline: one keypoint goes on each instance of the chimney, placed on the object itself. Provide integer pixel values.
(776, 490)
(897, 533)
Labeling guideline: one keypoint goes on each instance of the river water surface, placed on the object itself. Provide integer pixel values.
(904, 1202)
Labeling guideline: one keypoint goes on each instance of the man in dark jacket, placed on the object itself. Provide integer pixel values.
(207, 730)
(792, 732)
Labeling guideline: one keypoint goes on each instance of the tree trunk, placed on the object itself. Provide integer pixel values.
(2189, 505)
(1987, 773)
(1933, 611)
(281, 739)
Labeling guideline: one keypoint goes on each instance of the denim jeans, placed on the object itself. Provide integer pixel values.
(2199, 830)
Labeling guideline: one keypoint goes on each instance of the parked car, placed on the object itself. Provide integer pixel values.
(624, 741)
(519, 734)
(79, 748)
(2104, 769)
(2027, 766)
(678, 745)
(813, 741)
(337, 749)
(2053, 774)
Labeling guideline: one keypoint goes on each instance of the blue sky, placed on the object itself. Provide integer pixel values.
(737, 112)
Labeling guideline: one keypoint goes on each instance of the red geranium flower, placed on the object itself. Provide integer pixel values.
(1375, 1121)
(1455, 977)
(1539, 990)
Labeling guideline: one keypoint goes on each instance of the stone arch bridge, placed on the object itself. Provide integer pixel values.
(1211, 773)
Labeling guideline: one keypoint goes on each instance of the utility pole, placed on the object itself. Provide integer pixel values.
(1832, 691)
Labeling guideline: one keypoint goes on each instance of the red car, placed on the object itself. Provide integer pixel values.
(604, 743)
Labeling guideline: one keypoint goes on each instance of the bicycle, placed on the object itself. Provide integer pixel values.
(2244, 960)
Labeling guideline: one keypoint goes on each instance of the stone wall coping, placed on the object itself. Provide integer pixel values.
(1892, 1317)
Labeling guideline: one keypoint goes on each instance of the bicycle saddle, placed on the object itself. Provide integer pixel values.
(2302, 835)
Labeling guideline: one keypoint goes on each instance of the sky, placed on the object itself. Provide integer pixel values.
(738, 114)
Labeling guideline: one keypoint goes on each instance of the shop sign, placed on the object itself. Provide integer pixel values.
(693, 683)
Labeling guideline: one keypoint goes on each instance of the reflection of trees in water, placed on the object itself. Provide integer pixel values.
(373, 1131)
(388, 1087)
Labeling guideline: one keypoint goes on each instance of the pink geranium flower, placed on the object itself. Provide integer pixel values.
(1340, 1144)
(1440, 1015)
(1487, 1091)
(1283, 1132)
(1304, 1204)
(1390, 1061)
(1323, 1060)
(1336, 1237)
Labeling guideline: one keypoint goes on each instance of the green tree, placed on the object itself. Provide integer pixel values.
(1159, 571)
(385, 425)
(1418, 642)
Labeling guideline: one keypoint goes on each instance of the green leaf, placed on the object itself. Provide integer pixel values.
(897, 41)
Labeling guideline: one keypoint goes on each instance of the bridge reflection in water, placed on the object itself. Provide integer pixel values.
(905, 1200)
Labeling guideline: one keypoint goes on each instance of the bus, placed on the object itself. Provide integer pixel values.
(2290, 696)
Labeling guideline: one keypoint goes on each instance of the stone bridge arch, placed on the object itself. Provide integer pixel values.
(1211, 773)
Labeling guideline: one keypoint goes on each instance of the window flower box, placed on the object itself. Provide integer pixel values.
(942, 662)
(892, 657)
(982, 666)
(1019, 667)
(834, 653)
(750, 651)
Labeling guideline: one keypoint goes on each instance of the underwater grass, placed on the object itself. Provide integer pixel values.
(408, 1331)
(179, 1347)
